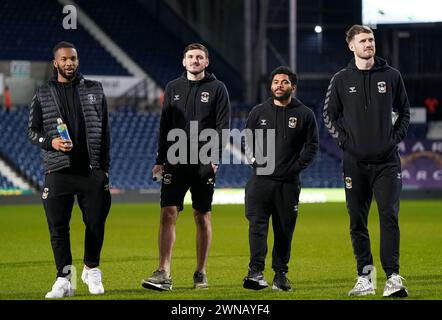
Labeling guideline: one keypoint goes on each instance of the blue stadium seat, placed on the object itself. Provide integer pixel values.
(33, 29)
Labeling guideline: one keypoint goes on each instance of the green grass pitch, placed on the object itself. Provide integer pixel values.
(321, 267)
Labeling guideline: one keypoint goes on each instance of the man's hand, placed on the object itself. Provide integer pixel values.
(62, 145)
(214, 167)
(157, 171)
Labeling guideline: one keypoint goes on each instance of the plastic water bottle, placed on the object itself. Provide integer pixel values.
(158, 176)
(63, 130)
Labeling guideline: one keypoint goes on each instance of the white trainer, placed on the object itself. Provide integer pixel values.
(394, 287)
(92, 278)
(61, 288)
(362, 287)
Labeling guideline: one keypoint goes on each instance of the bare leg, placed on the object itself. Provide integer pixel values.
(166, 236)
(203, 238)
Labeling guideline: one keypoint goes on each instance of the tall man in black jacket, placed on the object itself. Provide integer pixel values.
(77, 167)
(358, 112)
(277, 193)
(195, 98)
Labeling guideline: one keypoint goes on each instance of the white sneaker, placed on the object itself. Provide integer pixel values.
(394, 287)
(362, 287)
(92, 278)
(61, 288)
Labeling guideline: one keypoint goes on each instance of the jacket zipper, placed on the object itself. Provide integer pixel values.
(85, 126)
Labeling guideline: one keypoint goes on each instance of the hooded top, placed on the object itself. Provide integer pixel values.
(358, 110)
(205, 101)
(296, 137)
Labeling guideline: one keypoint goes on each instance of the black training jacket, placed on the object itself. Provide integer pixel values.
(206, 101)
(42, 128)
(358, 110)
(296, 140)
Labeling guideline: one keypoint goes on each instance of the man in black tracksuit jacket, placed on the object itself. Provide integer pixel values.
(358, 114)
(196, 98)
(277, 194)
(77, 167)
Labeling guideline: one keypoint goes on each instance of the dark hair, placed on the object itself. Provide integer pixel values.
(284, 70)
(63, 44)
(355, 30)
(196, 46)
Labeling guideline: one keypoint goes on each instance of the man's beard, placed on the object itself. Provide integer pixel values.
(284, 97)
(63, 73)
(195, 73)
(366, 55)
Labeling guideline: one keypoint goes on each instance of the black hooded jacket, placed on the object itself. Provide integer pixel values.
(296, 137)
(358, 110)
(205, 101)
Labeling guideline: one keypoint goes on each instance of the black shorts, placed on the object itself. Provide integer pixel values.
(177, 179)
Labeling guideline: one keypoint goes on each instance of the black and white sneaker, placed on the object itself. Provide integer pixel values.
(394, 287)
(281, 283)
(255, 280)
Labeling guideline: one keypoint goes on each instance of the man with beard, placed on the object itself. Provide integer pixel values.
(197, 97)
(78, 166)
(277, 194)
(358, 112)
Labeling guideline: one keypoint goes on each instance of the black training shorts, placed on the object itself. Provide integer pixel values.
(177, 179)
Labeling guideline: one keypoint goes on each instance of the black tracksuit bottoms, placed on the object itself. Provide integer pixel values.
(94, 199)
(264, 198)
(384, 180)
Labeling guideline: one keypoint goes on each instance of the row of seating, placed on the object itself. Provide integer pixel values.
(5, 183)
(133, 152)
(30, 29)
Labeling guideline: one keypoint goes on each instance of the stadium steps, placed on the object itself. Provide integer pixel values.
(10, 179)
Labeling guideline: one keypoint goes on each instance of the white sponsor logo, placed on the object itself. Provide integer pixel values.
(352, 90)
(263, 122)
(176, 97)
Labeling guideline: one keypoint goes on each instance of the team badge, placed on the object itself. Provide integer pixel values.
(382, 87)
(293, 122)
(205, 97)
(348, 183)
(92, 98)
(167, 178)
(45, 194)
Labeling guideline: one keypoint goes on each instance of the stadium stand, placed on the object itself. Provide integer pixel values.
(133, 150)
(5, 183)
(151, 45)
(31, 36)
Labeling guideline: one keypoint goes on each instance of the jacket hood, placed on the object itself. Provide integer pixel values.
(207, 78)
(379, 64)
(293, 104)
